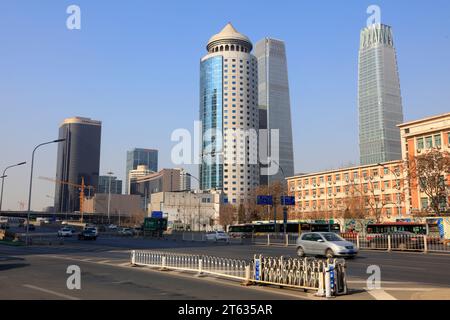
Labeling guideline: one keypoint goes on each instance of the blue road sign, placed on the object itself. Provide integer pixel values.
(264, 200)
(288, 201)
(157, 214)
(257, 269)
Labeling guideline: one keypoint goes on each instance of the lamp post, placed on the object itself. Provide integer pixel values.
(3, 180)
(109, 196)
(397, 175)
(284, 201)
(31, 181)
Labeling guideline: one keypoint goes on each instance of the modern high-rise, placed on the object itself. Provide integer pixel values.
(274, 110)
(379, 98)
(138, 157)
(229, 116)
(78, 158)
(107, 183)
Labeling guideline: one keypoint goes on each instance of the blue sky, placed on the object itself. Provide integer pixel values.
(134, 65)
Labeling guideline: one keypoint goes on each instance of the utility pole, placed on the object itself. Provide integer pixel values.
(109, 196)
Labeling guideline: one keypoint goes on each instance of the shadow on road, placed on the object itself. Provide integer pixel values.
(9, 266)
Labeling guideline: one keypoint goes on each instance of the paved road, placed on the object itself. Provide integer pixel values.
(39, 272)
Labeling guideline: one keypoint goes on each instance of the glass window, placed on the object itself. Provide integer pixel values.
(424, 203)
(429, 142)
(437, 140)
(419, 143)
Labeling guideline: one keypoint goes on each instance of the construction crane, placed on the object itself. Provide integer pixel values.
(81, 187)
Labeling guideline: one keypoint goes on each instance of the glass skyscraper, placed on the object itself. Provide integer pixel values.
(104, 185)
(138, 157)
(274, 106)
(78, 157)
(229, 116)
(379, 98)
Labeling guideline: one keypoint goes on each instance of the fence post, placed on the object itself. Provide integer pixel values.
(133, 257)
(425, 244)
(389, 243)
(247, 281)
(287, 240)
(200, 268)
(268, 239)
(327, 281)
(163, 263)
(357, 240)
(321, 291)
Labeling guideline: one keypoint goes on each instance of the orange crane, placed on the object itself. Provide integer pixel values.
(81, 186)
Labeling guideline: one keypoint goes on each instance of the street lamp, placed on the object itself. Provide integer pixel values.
(190, 175)
(31, 181)
(3, 180)
(109, 195)
(283, 197)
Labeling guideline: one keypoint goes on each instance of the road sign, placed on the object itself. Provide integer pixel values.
(264, 200)
(288, 201)
(257, 269)
(157, 214)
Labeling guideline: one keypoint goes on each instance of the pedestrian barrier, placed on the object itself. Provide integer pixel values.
(326, 277)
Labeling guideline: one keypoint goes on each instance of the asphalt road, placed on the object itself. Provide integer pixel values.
(39, 272)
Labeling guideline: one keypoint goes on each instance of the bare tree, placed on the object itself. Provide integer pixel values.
(429, 172)
(227, 215)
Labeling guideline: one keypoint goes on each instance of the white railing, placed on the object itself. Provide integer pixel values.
(327, 277)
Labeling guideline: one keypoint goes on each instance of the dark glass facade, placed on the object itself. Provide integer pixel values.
(211, 111)
(104, 184)
(78, 157)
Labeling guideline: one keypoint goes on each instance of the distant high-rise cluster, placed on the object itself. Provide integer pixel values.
(138, 157)
(379, 98)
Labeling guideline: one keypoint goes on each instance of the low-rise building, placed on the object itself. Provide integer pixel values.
(375, 188)
(419, 137)
(189, 210)
(126, 205)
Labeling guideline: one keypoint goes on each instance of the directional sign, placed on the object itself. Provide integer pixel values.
(264, 200)
(288, 201)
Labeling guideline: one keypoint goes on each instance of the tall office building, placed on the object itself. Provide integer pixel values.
(379, 98)
(107, 183)
(229, 116)
(138, 157)
(78, 157)
(274, 108)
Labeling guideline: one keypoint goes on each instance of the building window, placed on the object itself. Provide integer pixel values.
(419, 143)
(437, 141)
(429, 142)
(424, 203)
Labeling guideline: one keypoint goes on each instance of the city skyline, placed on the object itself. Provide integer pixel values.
(18, 148)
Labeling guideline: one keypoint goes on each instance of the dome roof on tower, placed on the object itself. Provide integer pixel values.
(231, 34)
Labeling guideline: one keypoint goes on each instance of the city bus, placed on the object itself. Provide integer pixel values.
(246, 230)
(392, 227)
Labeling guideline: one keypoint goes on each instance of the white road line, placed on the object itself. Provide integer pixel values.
(379, 294)
(51, 292)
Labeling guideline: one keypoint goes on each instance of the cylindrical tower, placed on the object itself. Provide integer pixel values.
(78, 157)
(229, 116)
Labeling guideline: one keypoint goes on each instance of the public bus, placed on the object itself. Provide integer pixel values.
(245, 230)
(392, 227)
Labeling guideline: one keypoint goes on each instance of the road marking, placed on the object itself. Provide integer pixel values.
(379, 294)
(51, 292)
(104, 261)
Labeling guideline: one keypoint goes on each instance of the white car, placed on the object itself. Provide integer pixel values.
(217, 236)
(93, 229)
(112, 227)
(126, 232)
(65, 232)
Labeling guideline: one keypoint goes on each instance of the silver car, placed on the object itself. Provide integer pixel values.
(326, 244)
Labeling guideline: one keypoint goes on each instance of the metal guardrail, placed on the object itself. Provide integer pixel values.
(326, 277)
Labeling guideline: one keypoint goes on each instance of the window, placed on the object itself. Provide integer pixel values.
(424, 203)
(419, 143)
(429, 142)
(386, 171)
(437, 141)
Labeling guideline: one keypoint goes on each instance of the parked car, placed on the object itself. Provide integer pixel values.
(126, 232)
(65, 232)
(217, 236)
(401, 240)
(112, 227)
(93, 229)
(87, 234)
(327, 244)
